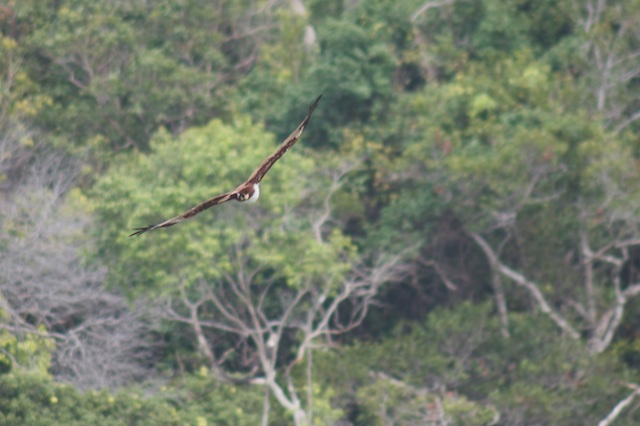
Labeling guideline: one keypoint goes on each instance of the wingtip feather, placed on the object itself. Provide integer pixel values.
(315, 104)
(140, 231)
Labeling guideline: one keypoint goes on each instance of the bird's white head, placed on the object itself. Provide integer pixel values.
(250, 196)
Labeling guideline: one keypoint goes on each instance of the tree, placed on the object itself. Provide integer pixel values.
(253, 312)
(511, 164)
(45, 290)
(456, 367)
(142, 65)
(277, 325)
(611, 49)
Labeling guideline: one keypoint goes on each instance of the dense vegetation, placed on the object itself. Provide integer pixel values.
(455, 239)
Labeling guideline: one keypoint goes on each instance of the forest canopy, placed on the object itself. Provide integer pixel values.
(453, 240)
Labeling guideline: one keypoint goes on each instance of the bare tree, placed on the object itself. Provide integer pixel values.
(609, 229)
(613, 56)
(601, 326)
(100, 340)
(275, 325)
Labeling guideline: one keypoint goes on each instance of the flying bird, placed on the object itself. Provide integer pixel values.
(249, 190)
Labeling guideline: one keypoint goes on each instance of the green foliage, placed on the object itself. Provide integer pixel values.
(504, 139)
(460, 360)
(35, 399)
(412, 214)
(208, 402)
(389, 400)
(141, 65)
(353, 70)
(516, 119)
(31, 352)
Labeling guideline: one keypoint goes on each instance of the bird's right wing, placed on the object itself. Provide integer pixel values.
(189, 213)
(264, 167)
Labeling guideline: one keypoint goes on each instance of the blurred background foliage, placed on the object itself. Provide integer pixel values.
(490, 148)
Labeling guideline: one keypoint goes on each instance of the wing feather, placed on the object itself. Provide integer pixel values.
(268, 162)
(189, 213)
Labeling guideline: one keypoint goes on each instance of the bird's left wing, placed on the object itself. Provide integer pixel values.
(189, 213)
(263, 168)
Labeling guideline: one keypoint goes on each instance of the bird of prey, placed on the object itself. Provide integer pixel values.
(248, 191)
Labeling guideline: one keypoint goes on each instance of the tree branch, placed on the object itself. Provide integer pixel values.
(428, 5)
(613, 415)
(525, 283)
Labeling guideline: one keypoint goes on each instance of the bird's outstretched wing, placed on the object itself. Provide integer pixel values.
(189, 213)
(264, 167)
(254, 179)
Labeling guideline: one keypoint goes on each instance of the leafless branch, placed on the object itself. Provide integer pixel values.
(336, 183)
(621, 405)
(527, 284)
(429, 5)
(613, 57)
(627, 122)
(443, 276)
